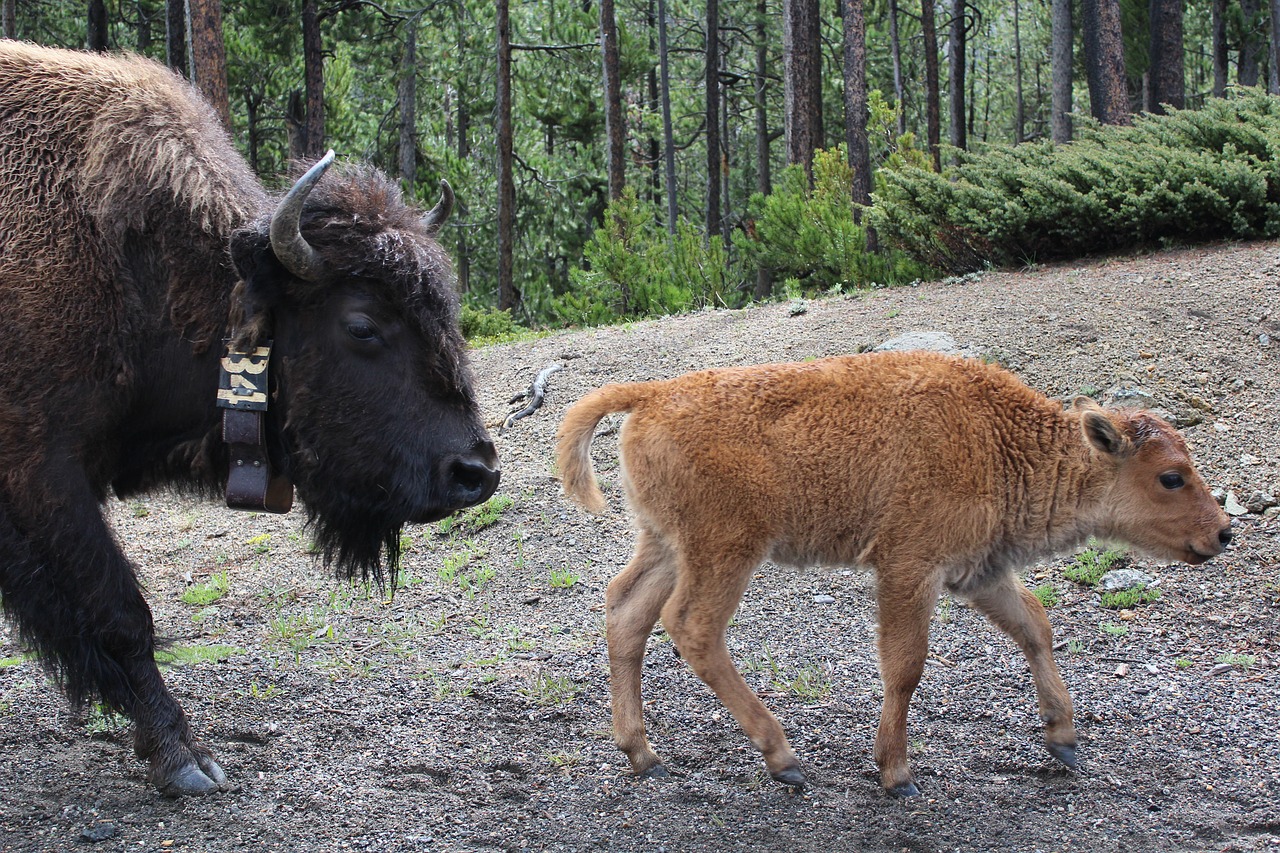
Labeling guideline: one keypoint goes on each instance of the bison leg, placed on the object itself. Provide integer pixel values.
(710, 586)
(1016, 611)
(76, 600)
(906, 596)
(634, 600)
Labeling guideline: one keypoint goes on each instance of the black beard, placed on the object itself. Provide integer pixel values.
(354, 542)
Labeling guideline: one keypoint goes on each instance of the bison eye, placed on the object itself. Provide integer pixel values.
(1172, 480)
(362, 330)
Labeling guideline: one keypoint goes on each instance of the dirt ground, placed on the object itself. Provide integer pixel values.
(470, 711)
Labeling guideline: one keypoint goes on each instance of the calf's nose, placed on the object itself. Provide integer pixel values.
(1224, 536)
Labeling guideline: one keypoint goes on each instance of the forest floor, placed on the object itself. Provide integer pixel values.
(470, 711)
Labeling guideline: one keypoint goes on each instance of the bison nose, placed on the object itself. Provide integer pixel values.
(1224, 536)
(472, 477)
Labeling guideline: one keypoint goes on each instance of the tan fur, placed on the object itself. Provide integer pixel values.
(933, 471)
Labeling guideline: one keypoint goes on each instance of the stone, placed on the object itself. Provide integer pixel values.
(1233, 507)
(823, 599)
(1118, 579)
(932, 341)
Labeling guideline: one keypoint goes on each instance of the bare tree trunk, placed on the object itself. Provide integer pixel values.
(1019, 106)
(1104, 60)
(764, 178)
(209, 55)
(712, 82)
(1218, 23)
(933, 107)
(802, 81)
(856, 112)
(96, 36)
(895, 51)
(1250, 44)
(508, 296)
(9, 19)
(175, 35)
(613, 130)
(253, 99)
(1273, 80)
(462, 131)
(1166, 80)
(655, 104)
(407, 100)
(668, 135)
(1061, 71)
(312, 136)
(956, 68)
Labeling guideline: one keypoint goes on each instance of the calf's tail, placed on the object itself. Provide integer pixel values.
(573, 440)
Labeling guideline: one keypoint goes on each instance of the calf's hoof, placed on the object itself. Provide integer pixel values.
(904, 790)
(657, 771)
(192, 780)
(1066, 753)
(791, 776)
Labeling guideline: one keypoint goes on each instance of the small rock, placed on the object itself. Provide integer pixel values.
(98, 832)
(823, 599)
(932, 341)
(1118, 579)
(1259, 502)
(1264, 339)
(1129, 397)
(1221, 668)
(1233, 507)
(532, 599)
(1121, 671)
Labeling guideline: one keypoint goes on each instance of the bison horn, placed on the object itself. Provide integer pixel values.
(295, 253)
(438, 214)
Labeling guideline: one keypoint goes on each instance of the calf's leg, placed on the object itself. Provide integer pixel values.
(76, 600)
(906, 595)
(632, 604)
(1015, 610)
(709, 588)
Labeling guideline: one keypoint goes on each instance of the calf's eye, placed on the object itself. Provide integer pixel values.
(1172, 480)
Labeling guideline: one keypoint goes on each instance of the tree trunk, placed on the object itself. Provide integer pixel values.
(613, 130)
(956, 67)
(1019, 106)
(764, 177)
(508, 296)
(175, 35)
(209, 55)
(1166, 75)
(1250, 47)
(856, 112)
(1104, 61)
(1062, 37)
(9, 19)
(712, 83)
(312, 136)
(802, 84)
(96, 36)
(407, 100)
(1218, 23)
(895, 52)
(462, 131)
(668, 135)
(933, 106)
(655, 105)
(1273, 81)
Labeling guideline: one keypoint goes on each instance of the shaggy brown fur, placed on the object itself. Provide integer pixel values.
(133, 238)
(933, 471)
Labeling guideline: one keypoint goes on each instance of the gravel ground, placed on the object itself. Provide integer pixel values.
(470, 711)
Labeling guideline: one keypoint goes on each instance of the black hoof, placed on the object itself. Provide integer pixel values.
(791, 776)
(657, 771)
(905, 790)
(1064, 753)
(189, 780)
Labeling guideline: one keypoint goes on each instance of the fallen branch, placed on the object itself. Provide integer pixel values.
(535, 395)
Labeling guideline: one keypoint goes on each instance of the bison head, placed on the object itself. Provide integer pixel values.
(372, 413)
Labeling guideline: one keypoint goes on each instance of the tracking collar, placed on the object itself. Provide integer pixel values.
(243, 392)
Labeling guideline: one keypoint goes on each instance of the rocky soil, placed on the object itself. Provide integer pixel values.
(470, 710)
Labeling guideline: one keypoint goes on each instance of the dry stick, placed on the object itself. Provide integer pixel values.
(537, 391)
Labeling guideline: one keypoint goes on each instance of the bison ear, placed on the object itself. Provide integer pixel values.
(260, 288)
(1101, 433)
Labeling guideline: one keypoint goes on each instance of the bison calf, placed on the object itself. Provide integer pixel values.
(933, 471)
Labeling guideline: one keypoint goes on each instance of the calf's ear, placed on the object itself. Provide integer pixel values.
(1101, 433)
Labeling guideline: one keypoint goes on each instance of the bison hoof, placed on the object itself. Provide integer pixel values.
(190, 780)
(904, 790)
(1066, 753)
(657, 771)
(791, 776)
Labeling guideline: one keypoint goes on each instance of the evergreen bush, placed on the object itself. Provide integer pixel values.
(1190, 175)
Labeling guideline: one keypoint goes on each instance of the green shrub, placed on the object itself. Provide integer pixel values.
(810, 236)
(1186, 176)
(487, 324)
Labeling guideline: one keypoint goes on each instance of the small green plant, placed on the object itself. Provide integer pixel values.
(261, 692)
(548, 689)
(1123, 599)
(1046, 595)
(564, 578)
(17, 660)
(138, 509)
(260, 544)
(204, 594)
(1241, 660)
(808, 683)
(1075, 647)
(1111, 629)
(564, 760)
(1182, 663)
(187, 655)
(945, 606)
(102, 721)
(1091, 564)
(473, 520)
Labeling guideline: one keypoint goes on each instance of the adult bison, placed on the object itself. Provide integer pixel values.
(120, 196)
(935, 472)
